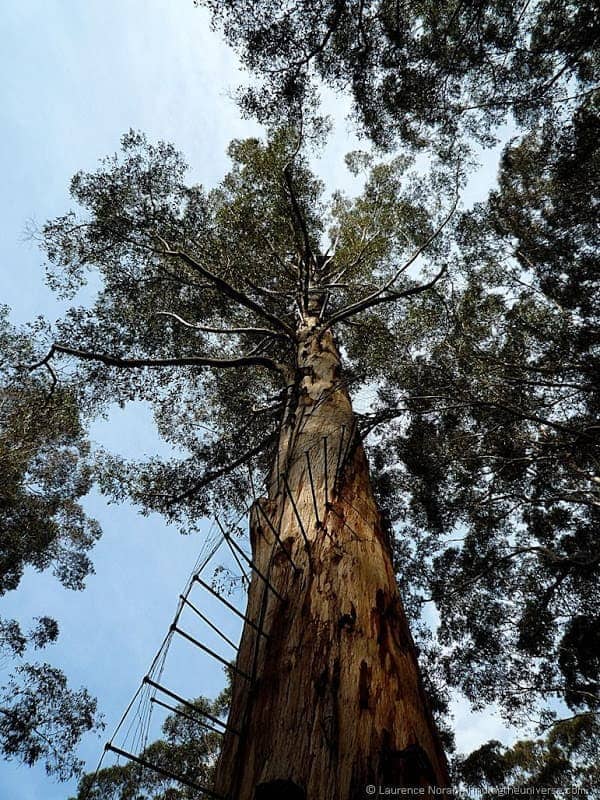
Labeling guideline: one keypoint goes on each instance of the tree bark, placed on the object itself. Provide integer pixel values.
(335, 700)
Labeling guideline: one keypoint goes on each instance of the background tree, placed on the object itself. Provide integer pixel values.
(417, 70)
(491, 469)
(497, 419)
(188, 748)
(43, 474)
(566, 757)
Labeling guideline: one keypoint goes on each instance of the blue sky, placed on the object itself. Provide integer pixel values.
(75, 77)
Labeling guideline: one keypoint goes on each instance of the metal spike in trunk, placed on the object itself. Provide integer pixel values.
(335, 700)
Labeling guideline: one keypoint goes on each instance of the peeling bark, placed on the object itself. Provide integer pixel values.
(335, 702)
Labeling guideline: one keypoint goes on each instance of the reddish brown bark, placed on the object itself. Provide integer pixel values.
(336, 700)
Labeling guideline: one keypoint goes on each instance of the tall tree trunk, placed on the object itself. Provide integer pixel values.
(334, 701)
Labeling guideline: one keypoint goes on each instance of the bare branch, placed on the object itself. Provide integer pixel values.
(54, 382)
(208, 329)
(266, 292)
(389, 414)
(366, 242)
(277, 257)
(532, 100)
(179, 319)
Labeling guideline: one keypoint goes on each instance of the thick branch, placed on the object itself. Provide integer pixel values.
(507, 102)
(317, 49)
(387, 415)
(136, 363)
(208, 329)
(229, 290)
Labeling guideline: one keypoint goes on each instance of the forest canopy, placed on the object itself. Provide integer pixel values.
(417, 71)
(468, 336)
(485, 371)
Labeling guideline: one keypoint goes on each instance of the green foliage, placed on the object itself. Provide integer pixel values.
(416, 69)
(566, 758)
(488, 435)
(13, 642)
(41, 719)
(201, 292)
(44, 472)
(188, 749)
(480, 341)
